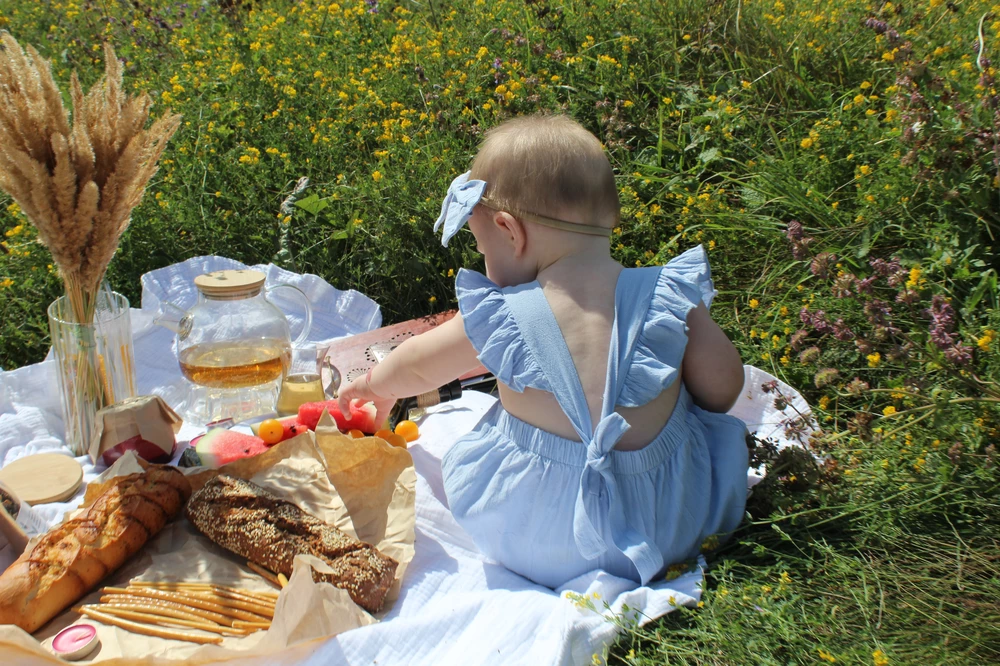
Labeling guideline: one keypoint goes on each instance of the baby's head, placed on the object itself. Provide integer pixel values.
(548, 165)
(540, 171)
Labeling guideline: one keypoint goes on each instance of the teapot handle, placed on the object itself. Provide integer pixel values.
(304, 335)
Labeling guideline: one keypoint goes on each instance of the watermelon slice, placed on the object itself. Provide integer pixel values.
(219, 446)
(290, 427)
(362, 415)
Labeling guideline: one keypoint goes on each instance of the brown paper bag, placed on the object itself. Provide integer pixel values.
(145, 424)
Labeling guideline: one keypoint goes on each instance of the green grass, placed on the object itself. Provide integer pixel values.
(871, 125)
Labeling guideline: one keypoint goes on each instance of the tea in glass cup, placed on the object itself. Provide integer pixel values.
(303, 382)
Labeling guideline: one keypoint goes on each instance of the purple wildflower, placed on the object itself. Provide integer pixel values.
(796, 236)
(856, 386)
(809, 355)
(879, 313)
(885, 268)
(942, 322)
(822, 263)
(959, 354)
(907, 297)
(817, 320)
(842, 285)
(825, 377)
(865, 286)
(842, 331)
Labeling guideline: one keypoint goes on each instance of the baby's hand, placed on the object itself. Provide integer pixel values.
(360, 391)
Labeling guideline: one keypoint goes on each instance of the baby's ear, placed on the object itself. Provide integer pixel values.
(512, 230)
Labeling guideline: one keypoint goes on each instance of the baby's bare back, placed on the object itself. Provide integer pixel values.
(582, 298)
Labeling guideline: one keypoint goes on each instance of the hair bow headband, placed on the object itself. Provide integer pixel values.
(464, 194)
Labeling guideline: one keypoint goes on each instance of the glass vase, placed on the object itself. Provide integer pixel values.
(95, 363)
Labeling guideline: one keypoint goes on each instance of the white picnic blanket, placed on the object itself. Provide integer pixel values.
(455, 606)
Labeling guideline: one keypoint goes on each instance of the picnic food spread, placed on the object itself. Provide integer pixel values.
(248, 520)
(71, 558)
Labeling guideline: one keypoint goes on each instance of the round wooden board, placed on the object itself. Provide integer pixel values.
(43, 477)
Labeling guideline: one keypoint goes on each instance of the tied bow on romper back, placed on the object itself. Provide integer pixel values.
(551, 508)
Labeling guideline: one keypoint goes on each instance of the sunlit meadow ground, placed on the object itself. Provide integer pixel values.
(836, 157)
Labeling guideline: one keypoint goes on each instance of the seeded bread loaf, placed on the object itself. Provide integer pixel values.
(69, 560)
(244, 518)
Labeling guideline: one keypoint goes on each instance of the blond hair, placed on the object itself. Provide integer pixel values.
(548, 165)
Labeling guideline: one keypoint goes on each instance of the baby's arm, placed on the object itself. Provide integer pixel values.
(420, 364)
(712, 369)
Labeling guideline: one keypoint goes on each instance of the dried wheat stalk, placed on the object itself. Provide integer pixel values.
(77, 182)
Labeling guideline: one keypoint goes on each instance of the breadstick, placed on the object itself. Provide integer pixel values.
(240, 624)
(264, 595)
(128, 599)
(197, 602)
(147, 630)
(267, 596)
(232, 601)
(149, 617)
(282, 580)
(234, 596)
(264, 573)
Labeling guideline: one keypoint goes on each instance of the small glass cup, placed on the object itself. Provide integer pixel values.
(303, 383)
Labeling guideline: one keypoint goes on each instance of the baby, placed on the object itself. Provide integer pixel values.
(609, 448)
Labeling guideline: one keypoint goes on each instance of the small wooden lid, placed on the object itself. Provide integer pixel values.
(230, 283)
(43, 477)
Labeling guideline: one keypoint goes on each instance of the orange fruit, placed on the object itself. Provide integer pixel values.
(270, 431)
(407, 430)
(396, 440)
(356, 434)
(383, 434)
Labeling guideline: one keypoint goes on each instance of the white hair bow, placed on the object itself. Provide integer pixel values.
(463, 195)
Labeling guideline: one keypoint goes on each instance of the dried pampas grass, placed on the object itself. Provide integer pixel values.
(76, 181)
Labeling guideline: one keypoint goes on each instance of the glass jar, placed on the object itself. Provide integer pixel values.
(234, 346)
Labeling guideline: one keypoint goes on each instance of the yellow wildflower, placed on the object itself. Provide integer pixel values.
(754, 303)
(376, 176)
(874, 360)
(878, 657)
(806, 143)
(987, 337)
(826, 656)
(889, 411)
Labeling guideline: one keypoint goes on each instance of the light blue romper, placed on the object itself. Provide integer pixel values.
(551, 508)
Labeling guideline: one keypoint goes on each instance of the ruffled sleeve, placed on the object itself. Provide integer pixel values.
(494, 333)
(682, 284)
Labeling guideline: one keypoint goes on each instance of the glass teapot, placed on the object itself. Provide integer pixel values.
(232, 343)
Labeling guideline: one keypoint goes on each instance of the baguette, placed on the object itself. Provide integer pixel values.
(70, 559)
(244, 518)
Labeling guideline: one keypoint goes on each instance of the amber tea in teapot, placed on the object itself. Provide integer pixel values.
(233, 346)
(236, 363)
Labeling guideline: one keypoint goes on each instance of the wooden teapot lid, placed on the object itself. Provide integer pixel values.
(231, 283)
(43, 477)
